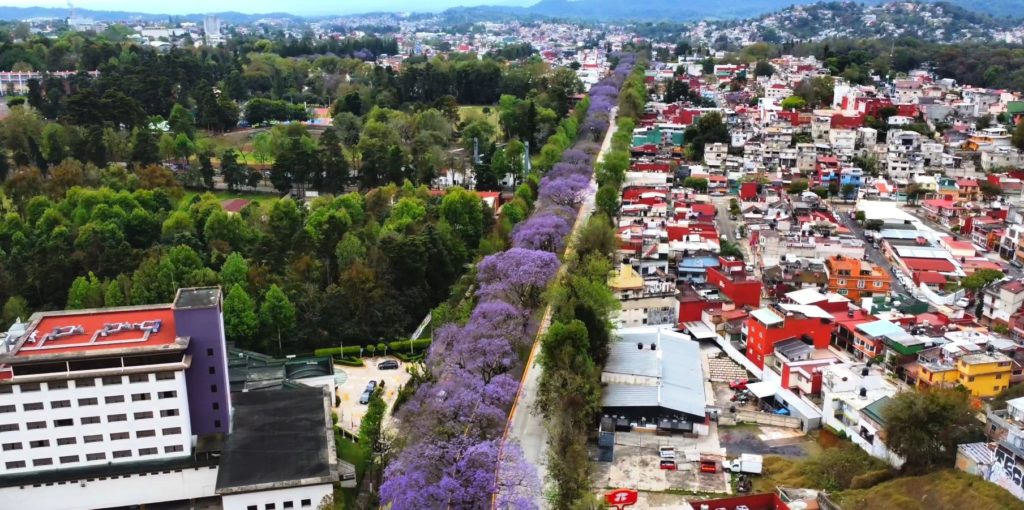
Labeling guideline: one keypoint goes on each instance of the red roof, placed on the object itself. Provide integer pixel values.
(703, 209)
(88, 326)
(234, 205)
(940, 265)
(929, 278)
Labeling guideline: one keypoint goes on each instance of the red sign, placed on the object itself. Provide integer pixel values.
(621, 498)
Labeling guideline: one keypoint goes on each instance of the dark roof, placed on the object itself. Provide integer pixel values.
(249, 371)
(281, 438)
(107, 470)
(875, 409)
(197, 297)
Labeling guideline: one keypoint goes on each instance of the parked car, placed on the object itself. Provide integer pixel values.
(370, 386)
(745, 463)
(365, 397)
(738, 384)
(669, 465)
(667, 452)
(388, 365)
(1016, 263)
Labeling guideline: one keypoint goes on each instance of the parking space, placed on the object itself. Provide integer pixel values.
(637, 463)
(350, 411)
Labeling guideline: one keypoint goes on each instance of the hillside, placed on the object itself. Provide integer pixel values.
(943, 490)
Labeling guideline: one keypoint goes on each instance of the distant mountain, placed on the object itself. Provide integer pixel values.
(19, 13)
(689, 10)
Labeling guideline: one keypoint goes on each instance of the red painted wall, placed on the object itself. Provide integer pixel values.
(761, 340)
(742, 293)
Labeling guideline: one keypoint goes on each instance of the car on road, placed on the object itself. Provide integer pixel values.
(388, 365)
(1016, 264)
(748, 268)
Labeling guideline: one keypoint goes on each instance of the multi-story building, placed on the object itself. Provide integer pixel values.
(778, 322)
(642, 302)
(1001, 157)
(983, 374)
(853, 399)
(855, 278)
(1000, 301)
(92, 401)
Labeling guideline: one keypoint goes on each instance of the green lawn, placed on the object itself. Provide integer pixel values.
(349, 451)
(478, 111)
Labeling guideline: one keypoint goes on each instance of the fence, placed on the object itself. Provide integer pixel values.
(772, 420)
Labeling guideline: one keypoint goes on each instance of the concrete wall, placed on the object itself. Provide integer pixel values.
(309, 497)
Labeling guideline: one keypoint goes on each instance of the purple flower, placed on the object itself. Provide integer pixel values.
(518, 276)
(543, 231)
(567, 191)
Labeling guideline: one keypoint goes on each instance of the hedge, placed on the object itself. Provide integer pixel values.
(352, 351)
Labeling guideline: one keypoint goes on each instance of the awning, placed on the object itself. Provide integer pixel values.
(763, 389)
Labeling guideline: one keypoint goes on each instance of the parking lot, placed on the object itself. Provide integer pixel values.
(350, 411)
(636, 464)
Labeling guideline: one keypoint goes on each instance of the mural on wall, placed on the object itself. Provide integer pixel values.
(1008, 471)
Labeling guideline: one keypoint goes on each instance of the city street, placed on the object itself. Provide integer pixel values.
(873, 255)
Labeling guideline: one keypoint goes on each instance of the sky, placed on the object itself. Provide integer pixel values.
(298, 7)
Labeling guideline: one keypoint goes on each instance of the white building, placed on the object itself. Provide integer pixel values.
(211, 30)
(853, 397)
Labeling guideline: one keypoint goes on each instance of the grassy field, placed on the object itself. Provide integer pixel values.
(349, 451)
(943, 490)
(478, 111)
(227, 195)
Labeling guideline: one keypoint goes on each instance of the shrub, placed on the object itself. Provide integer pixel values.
(871, 478)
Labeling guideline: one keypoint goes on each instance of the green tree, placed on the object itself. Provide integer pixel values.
(464, 212)
(607, 201)
(85, 292)
(234, 271)
(848, 191)
(698, 184)
(277, 314)
(349, 250)
(730, 249)
(980, 278)
(797, 186)
(925, 427)
(240, 321)
(232, 171)
(16, 307)
(114, 294)
(990, 190)
(1018, 135)
(181, 121)
(370, 431)
(793, 103)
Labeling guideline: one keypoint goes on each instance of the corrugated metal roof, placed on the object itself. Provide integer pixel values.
(679, 388)
(766, 316)
(878, 328)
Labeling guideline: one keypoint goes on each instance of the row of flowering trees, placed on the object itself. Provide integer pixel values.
(453, 456)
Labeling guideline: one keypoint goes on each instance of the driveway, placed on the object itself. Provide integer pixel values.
(350, 412)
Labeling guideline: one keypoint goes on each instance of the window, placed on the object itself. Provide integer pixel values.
(843, 292)
(112, 380)
(8, 427)
(35, 425)
(216, 406)
(999, 376)
(26, 388)
(971, 378)
(91, 401)
(167, 394)
(114, 399)
(90, 420)
(168, 413)
(8, 408)
(66, 440)
(33, 406)
(84, 383)
(861, 284)
(60, 404)
(66, 422)
(879, 284)
(120, 454)
(289, 504)
(173, 449)
(270, 506)
(117, 436)
(11, 446)
(6, 388)
(995, 388)
(147, 451)
(170, 431)
(306, 502)
(143, 415)
(841, 282)
(209, 352)
(251, 507)
(165, 376)
(42, 462)
(139, 397)
(93, 438)
(137, 378)
(95, 456)
(213, 388)
(145, 433)
(117, 417)
(216, 424)
(15, 464)
(68, 459)
(57, 385)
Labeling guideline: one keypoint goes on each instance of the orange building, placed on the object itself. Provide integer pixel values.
(855, 278)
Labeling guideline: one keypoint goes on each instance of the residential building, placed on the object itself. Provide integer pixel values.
(856, 278)
(779, 322)
(853, 399)
(983, 374)
(735, 283)
(1000, 300)
(642, 302)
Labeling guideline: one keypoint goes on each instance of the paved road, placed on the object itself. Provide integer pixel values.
(525, 424)
(873, 254)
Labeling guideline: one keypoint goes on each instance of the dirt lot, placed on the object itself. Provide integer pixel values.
(765, 440)
(350, 412)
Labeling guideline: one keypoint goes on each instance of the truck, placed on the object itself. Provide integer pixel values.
(746, 463)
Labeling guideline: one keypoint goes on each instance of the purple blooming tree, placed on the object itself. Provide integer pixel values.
(518, 276)
(561, 170)
(542, 231)
(518, 484)
(567, 191)
(502, 319)
(576, 157)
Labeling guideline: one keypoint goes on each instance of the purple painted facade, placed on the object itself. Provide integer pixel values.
(198, 315)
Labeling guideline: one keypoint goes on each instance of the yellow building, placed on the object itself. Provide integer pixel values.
(941, 375)
(985, 374)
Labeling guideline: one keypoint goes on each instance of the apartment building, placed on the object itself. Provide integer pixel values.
(132, 406)
(855, 278)
(853, 399)
(1000, 301)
